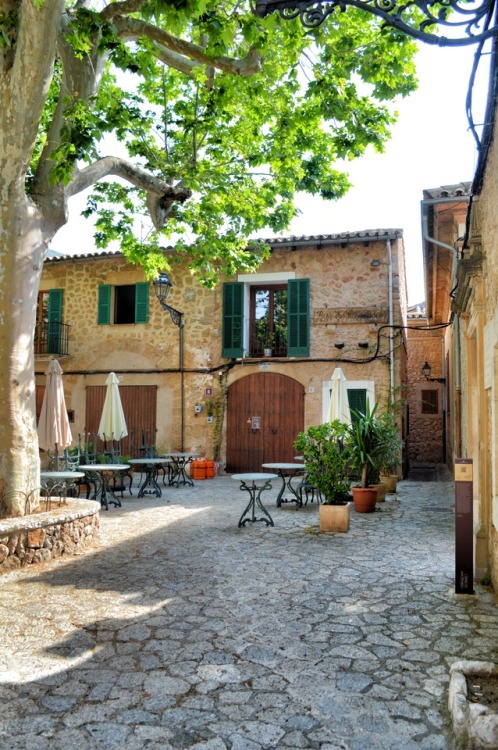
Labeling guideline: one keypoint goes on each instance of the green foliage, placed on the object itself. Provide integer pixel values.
(244, 145)
(327, 460)
(374, 443)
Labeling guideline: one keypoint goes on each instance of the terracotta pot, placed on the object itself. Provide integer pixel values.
(334, 517)
(381, 491)
(364, 499)
(390, 480)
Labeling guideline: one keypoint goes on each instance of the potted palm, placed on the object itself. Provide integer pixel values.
(327, 468)
(366, 444)
(392, 450)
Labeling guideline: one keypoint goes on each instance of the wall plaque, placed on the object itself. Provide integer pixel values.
(336, 315)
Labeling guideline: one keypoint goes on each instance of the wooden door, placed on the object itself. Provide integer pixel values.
(139, 406)
(278, 401)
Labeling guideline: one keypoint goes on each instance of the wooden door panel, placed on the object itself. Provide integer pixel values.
(279, 402)
(139, 406)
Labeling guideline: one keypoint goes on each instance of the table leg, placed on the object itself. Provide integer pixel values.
(255, 500)
(287, 485)
(107, 495)
(179, 475)
(150, 481)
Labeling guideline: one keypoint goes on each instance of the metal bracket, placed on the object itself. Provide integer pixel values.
(472, 16)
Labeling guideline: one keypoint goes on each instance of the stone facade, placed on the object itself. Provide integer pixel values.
(424, 443)
(350, 303)
(48, 535)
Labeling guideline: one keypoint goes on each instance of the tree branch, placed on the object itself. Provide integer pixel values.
(134, 28)
(161, 196)
(121, 8)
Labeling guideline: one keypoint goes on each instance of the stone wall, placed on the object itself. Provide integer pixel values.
(425, 433)
(48, 535)
(342, 278)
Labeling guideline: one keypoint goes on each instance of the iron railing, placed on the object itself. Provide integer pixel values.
(52, 338)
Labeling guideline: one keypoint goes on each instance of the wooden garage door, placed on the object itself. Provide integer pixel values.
(139, 406)
(278, 401)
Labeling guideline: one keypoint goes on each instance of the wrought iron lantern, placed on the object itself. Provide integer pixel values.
(163, 286)
(417, 18)
(426, 372)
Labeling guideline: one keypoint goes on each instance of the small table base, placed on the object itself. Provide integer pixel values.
(255, 484)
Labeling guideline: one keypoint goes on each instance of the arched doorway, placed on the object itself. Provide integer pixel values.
(278, 401)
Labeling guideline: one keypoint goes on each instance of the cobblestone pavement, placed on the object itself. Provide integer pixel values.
(183, 631)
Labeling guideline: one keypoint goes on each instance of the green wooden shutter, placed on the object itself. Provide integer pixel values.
(233, 319)
(104, 305)
(142, 302)
(54, 332)
(298, 318)
(357, 399)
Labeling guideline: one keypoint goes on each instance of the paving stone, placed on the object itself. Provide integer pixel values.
(182, 631)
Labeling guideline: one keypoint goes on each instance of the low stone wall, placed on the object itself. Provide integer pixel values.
(39, 537)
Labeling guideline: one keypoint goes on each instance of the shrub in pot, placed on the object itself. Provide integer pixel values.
(326, 456)
(392, 449)
(365, 444)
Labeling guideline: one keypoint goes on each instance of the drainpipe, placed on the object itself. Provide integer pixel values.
(457, 361)
(391, 320)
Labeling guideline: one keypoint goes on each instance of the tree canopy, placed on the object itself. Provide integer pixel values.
(211, 119)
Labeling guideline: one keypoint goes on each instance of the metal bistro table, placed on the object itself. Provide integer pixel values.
(150, 466)
(101, 473)
(254, 484)
(287, 472)
(64, 479)
(180, 461)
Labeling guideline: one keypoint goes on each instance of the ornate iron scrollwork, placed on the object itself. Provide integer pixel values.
(474, 17)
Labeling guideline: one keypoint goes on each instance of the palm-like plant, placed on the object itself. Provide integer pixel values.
(366, 441)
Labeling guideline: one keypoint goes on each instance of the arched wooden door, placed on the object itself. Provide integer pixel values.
(278, 402)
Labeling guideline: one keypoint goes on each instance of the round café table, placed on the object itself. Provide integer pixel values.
(66, 480)
(180, 462)
(150, 467)
(254, 483)
(101, 473)
(287, 472)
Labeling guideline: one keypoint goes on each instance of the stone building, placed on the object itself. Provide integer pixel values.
(251, 364)
(475, 343)
(433, 396)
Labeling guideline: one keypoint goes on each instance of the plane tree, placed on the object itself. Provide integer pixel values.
(194, 113)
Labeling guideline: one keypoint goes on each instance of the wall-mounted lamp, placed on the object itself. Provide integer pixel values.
(162, 286)
(426, 372)
(375, 263)
(339, 345)
(363, 344)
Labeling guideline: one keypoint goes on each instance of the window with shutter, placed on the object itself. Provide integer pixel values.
(298, 318)
(124, 304)
(142, 302)
(104, 305)
(54, 336)
(357, 399)
(429, 401)
(233, 319)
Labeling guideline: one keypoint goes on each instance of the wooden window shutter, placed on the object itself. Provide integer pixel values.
(142, 302)
(298, 318)
(357, 400)
(233, 319)
(54, 333)
(104, 305)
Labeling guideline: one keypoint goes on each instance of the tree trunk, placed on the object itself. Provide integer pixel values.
(22, 251)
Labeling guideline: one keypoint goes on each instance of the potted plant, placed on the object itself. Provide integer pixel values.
(366, 445)
(392, 450)
(327, 468)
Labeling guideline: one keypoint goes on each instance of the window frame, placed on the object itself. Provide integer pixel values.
(107, 304)
(236, 318)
